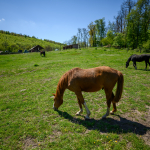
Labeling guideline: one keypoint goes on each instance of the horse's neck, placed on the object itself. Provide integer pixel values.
(60, 92)
(61, 87)
(129, 59)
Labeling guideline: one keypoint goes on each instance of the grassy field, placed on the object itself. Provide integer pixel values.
(28, 121)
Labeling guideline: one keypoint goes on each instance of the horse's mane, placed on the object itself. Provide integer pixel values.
(63, 82)
(62, 85)
(129, 59)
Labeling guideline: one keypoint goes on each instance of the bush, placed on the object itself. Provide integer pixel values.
(146, 45)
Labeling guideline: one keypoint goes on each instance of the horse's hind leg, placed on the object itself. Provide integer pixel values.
(82, 102)
(145, 65)
(114, 104)
(108, 97)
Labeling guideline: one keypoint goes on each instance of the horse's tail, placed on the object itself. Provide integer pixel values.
(119, 88)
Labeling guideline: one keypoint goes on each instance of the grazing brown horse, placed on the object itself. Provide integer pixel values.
(42, 53)
(90, 80)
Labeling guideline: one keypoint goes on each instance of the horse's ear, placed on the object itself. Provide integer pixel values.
(53, 94)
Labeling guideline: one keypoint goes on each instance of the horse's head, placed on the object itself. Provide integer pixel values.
(127, 64)
(57, 102)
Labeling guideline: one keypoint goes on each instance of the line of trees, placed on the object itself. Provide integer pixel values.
(131, 28)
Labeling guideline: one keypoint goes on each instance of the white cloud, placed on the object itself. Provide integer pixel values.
(2, 19)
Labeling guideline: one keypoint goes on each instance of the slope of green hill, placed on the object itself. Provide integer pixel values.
(13, 42)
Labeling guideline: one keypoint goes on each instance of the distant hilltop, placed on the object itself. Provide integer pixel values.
(13, 42)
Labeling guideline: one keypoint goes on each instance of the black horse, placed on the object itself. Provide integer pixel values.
(42, 53)
(138, 58)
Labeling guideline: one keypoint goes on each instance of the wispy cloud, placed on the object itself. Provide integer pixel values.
(2, 19)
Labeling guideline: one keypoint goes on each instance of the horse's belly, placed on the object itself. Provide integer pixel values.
(91, 89)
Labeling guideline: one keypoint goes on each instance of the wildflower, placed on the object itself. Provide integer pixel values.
(115, 141)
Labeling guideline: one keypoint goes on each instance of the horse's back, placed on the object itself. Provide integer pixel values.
(140, 58)
(92, 79)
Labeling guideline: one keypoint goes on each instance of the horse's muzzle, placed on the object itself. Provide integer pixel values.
(55, 108)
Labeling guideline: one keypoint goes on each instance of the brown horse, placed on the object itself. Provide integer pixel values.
(90, 80)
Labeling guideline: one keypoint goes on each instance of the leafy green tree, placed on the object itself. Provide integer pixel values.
(146, 45)
(74, 40)
(5, 44)
(119, 40)
(100, 30)
(138, 24)
(92, 34)
(109, 38)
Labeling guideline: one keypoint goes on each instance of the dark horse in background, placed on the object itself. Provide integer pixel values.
(138, 58)
(42, 53)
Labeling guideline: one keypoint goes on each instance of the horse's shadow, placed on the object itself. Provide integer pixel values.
(108, 125)
(139, 69)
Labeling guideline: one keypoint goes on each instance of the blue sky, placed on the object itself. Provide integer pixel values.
(56, 20)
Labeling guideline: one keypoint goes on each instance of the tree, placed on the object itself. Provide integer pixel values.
(109, 38)
(78, 36)
(92, 34)
(84, 36)
(138, 24)
(5, 44)
(74, 39)
(111, 27)
(100, 30)
(119, 40)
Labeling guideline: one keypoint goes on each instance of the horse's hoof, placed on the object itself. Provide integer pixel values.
(77, 114)
(87, 117)
(112, 113)
(104, 117)
(55, 109)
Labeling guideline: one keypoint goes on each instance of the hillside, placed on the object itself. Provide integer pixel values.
(13, 42)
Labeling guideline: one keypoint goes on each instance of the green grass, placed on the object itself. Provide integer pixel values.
(27, 120)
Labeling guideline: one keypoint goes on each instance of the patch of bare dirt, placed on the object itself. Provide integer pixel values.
(54, 135)
(29, 143)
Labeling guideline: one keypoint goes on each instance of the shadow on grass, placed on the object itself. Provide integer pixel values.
(108, 125)
(139, 69)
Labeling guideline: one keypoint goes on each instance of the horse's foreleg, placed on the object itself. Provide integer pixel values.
(81, 101)
(107, 113)
(80, 105)
(87, 111)
(134, 64)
